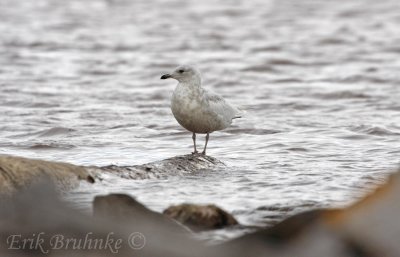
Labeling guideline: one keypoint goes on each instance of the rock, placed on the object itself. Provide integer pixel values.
(287, 229)
(126, 209)
(302, 235)
(200, 217)
(178, 165)
(18, 172)
(314, 241)
(162, 234)
(373, 223)
(36, 214)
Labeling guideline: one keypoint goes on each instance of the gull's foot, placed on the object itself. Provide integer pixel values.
(195, 152)
(203, 153)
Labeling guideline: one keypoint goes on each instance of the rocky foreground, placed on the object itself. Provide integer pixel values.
(33, 221)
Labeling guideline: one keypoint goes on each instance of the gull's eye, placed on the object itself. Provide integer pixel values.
(181, 71)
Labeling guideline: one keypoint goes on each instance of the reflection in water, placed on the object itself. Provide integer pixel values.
(319, 80)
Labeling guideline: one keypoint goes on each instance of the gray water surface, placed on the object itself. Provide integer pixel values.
(79, 82)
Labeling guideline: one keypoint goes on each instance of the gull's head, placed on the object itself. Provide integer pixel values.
(184, 73)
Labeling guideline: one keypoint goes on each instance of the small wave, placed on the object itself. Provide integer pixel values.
(44, 146)
(287, 80)
(284, 62)
(11, 103)
(98, 72)
(353, 137)
(260, 68)
(288, 62)
(393, 49)
(270, 65)
(44, 133)
(55, 132)
(127, 125)
(351, 13)
(332, 41)
(341, 95)
(361, 78)
(42, 105)
(375, 130)
(252, 131)
(266, 49)
(297, 106)
(297, 149)
(96, 47)
(276, 208)
(36, 44)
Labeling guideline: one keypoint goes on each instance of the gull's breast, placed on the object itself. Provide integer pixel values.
(194, 114)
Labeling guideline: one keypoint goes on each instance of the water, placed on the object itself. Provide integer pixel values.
(79, 82)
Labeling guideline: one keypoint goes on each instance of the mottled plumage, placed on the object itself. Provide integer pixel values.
(196, 109)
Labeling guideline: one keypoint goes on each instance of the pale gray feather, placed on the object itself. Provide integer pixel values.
(221, 107)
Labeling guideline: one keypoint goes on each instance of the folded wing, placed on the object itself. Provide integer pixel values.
(219, 106)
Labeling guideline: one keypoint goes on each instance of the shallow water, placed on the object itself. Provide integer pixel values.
(79, 82)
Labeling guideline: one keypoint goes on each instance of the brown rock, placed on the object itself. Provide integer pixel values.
(289, 228)
(124, 208)
(18, 172)
(200, 217)
(36, 210)
(373, 223)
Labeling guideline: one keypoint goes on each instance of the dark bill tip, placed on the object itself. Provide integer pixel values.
(165, 76)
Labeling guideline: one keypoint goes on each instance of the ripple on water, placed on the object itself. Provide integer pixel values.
(49, 146)
(341, 95)
(262, 68)
(374, 130)
(251, 131)
(56, 131)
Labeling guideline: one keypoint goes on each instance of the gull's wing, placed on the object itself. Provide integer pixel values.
(221, 107)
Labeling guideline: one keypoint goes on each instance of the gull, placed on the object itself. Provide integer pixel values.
(196, 109)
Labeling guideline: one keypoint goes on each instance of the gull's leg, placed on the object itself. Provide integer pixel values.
(205, 146)
(194, 143)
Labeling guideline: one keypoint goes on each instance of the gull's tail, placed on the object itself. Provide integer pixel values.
(240, 112)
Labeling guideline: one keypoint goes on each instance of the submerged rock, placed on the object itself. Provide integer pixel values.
(200, 217)
(178, 165)
(18, 172)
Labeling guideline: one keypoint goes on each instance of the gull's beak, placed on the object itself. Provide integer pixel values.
(166, 76)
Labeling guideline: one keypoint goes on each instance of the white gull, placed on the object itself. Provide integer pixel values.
(197, 109)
